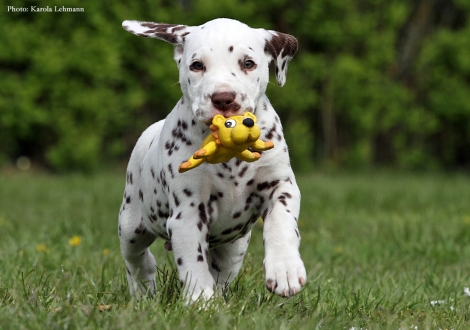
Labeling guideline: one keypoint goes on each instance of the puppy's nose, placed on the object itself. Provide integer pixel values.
(223, 100)
(248, 122)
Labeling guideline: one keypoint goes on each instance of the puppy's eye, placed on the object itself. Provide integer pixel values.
(196, 66)
(249, 64)
(230, 123)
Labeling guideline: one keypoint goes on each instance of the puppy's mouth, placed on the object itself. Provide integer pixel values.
(207, 122)
(227, 114)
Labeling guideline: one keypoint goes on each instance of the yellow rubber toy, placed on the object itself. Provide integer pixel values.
(231, 137)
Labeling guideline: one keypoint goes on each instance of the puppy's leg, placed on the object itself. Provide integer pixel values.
(285, 270)
(189, 241)
(135, 240)
(227, 259)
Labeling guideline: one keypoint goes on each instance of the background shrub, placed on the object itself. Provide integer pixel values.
(77, 90)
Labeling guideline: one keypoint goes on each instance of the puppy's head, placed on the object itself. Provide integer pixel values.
(223, 64)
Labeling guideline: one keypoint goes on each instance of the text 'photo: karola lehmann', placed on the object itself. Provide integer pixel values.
(46, 9)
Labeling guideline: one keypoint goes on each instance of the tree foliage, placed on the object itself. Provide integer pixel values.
(77, 90)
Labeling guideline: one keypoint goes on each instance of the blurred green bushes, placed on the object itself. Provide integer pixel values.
(77, 90)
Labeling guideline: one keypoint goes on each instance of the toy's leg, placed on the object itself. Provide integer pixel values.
(248, 156)
(208, 149)
(190, 164)
(261, 145)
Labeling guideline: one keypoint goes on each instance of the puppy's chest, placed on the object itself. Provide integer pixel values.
(234, 215)
(228, 202)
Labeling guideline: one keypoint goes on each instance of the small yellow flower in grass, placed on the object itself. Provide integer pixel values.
(105, 252)
(5, 223)
(466, 219)
(338, 249)
(42, 248)
(75, 240)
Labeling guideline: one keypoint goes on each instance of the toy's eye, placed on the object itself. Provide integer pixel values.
(249, 64)
(196, 66)
(230, 123)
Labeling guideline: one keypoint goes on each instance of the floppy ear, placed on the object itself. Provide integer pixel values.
(281, 47)
(172, 33)
(218, 121)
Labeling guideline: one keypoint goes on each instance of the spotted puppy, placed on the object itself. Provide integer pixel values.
(206, 215)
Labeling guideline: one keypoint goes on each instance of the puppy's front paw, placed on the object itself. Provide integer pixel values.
(285, 276)
(198, 294)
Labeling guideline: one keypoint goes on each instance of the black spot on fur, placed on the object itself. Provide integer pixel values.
(130, 178)
(202, 213)
(267, 185)
(179, 261)
(272, 193)
(175, 198)
(188, 192)
(171, 147)
(271, 132)
(216, 267)
(178, 133)
(162, 214)
(141, 229)
(227, 167)
(243, 171)
(170, 169)
(227, 231)
(265, 214)
(238, 227)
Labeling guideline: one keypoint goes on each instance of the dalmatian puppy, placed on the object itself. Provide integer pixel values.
(206, 215)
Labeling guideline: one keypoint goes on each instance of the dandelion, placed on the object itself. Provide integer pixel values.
(466, 291)
(338, 249)
(42, 248)
(466, 219)
(437, 302)
(75, 240)
(105, 252)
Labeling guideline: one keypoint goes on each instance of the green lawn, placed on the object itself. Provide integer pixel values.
(382, 251)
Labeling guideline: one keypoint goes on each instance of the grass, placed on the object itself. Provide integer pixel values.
(382, 251)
